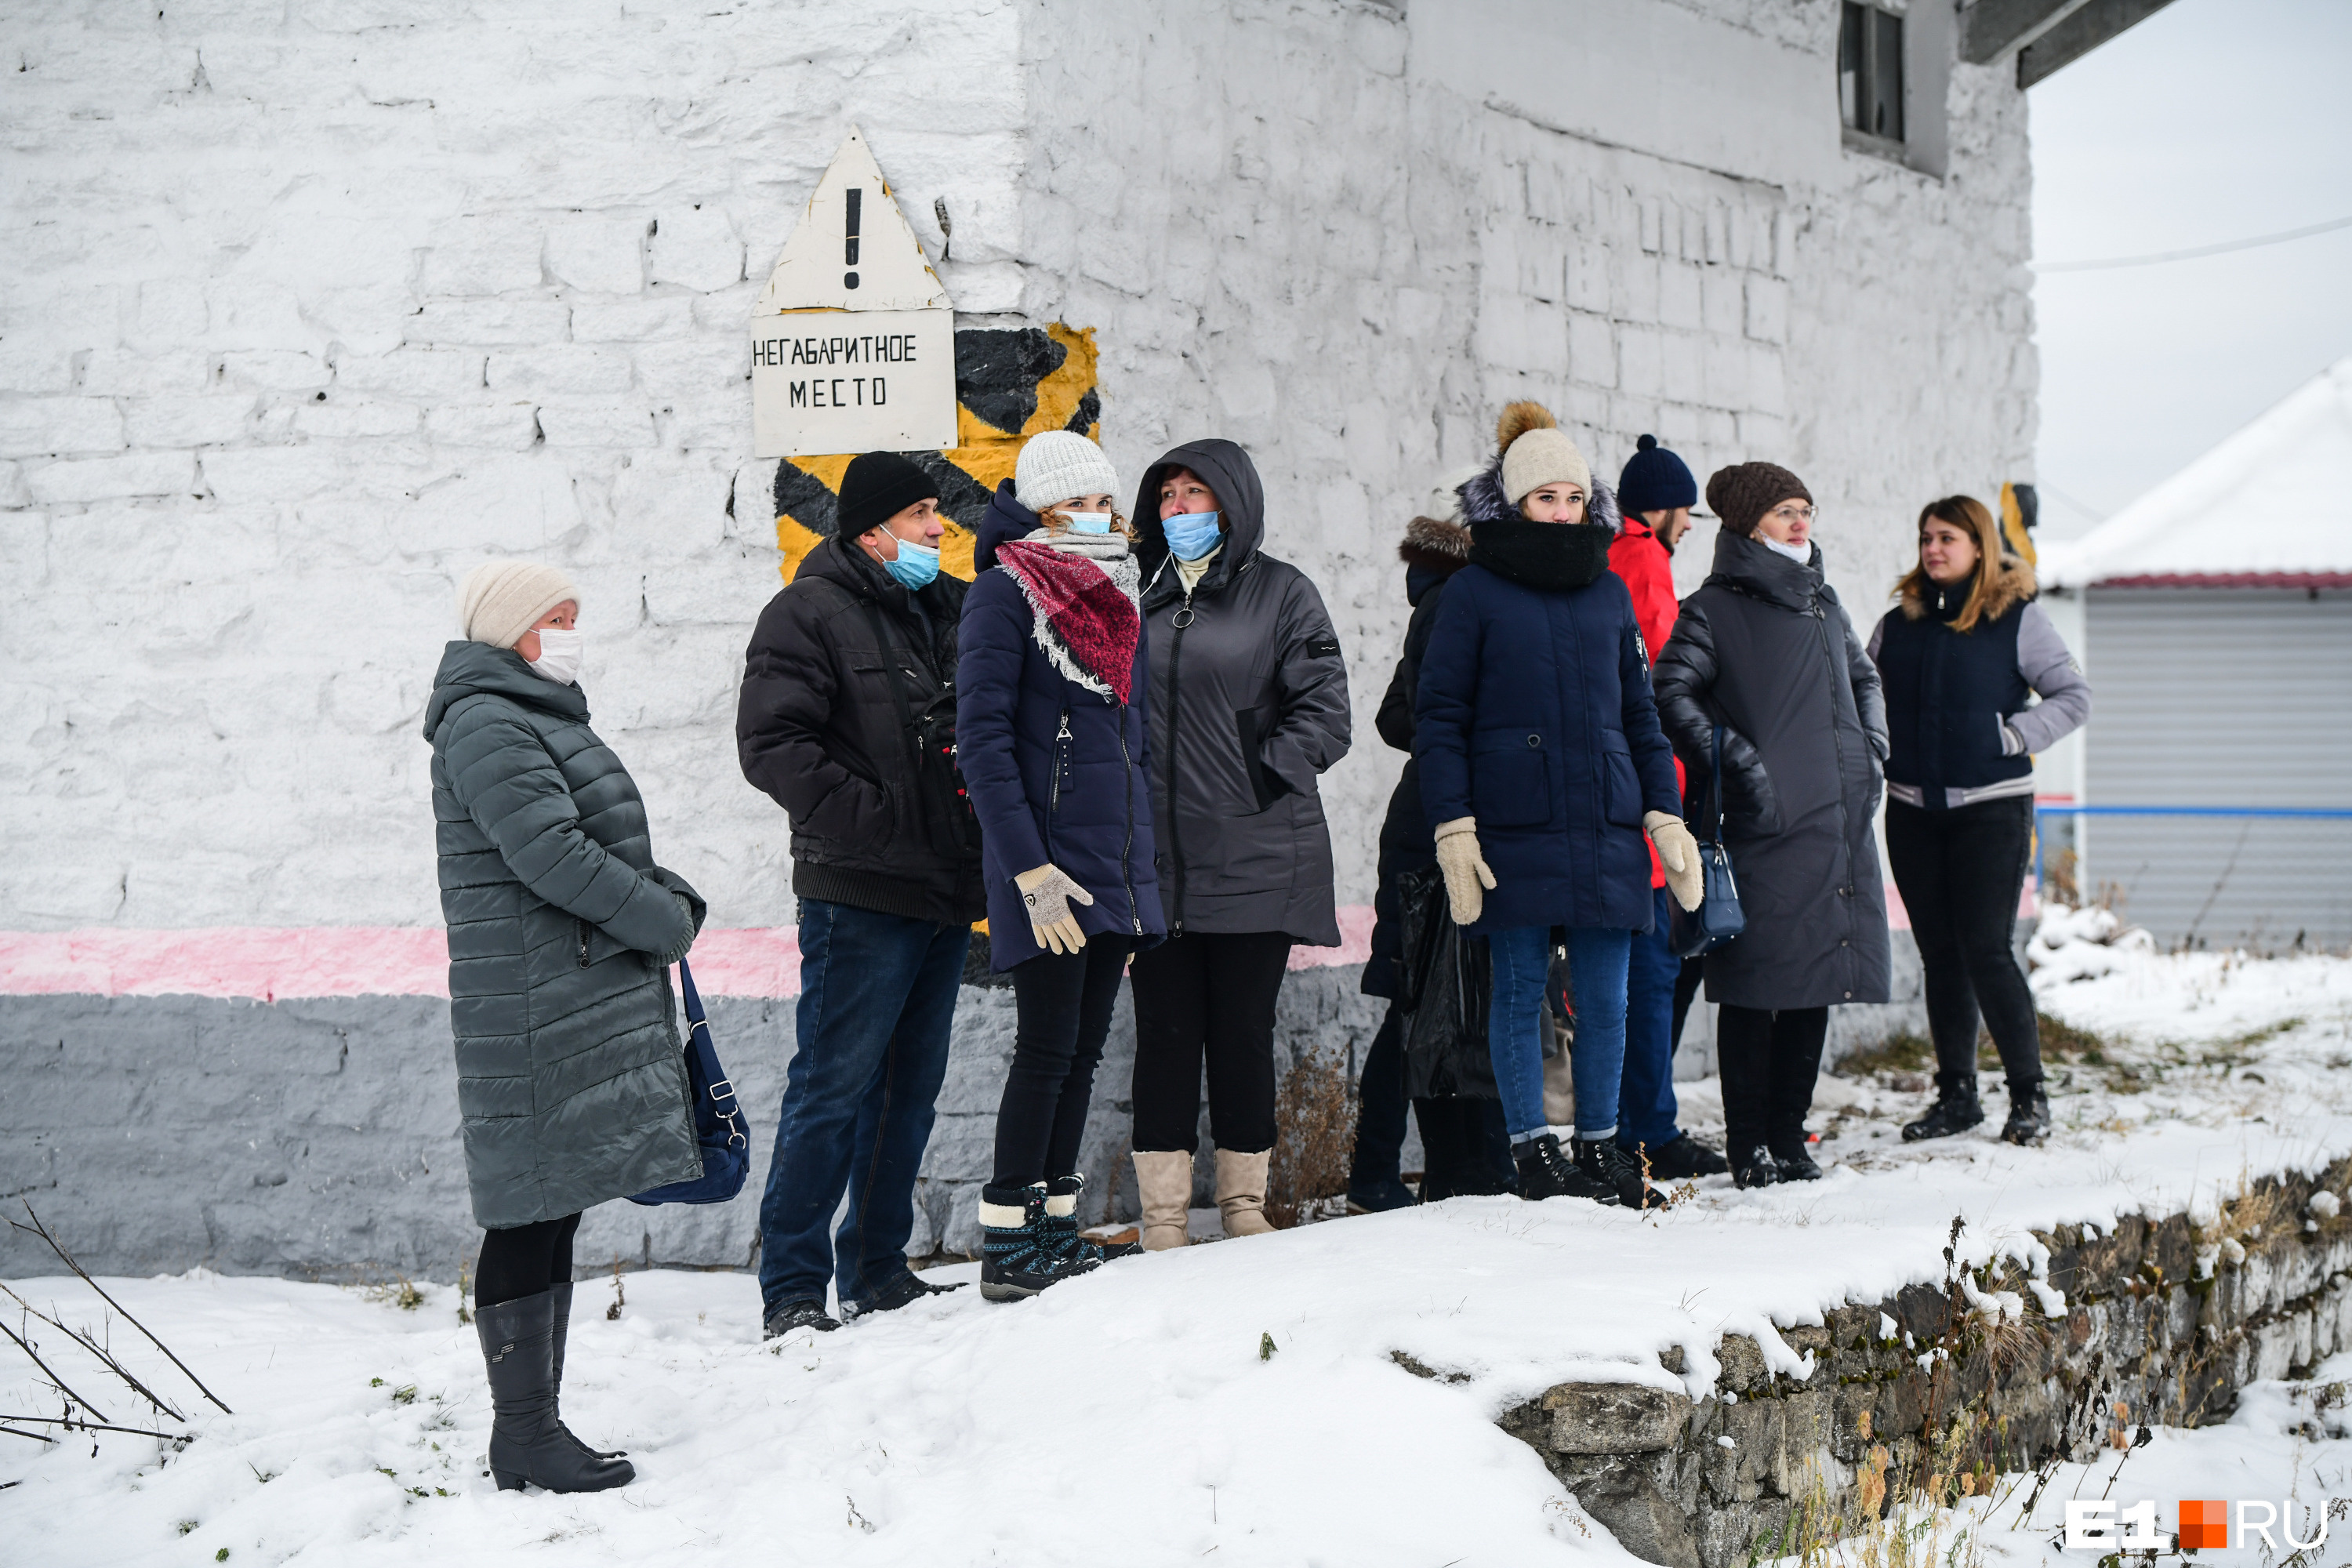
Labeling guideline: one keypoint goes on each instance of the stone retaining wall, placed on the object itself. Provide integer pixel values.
(2163, 1322)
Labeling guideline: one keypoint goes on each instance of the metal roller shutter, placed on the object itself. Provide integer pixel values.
(2223, 697)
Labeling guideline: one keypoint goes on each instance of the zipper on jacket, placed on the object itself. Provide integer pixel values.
(1178, 623)
(579, 929)
(1061, 754)
(1126, 855)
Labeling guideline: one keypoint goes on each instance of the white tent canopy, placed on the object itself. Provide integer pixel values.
(2270, 506)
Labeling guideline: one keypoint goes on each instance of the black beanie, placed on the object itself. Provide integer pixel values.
(878, 488)
(1654, 480)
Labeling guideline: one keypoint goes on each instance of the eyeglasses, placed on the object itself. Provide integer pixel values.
(1795, 511)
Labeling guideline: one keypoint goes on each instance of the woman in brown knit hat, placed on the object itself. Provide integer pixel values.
(1764, 653)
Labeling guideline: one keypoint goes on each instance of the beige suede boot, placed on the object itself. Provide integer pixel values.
(1163, 1179)
(1241, 1192)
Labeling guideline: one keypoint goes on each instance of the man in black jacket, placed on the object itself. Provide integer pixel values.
(847, 719)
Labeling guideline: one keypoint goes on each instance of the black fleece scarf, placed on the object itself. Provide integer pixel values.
(1551, 557)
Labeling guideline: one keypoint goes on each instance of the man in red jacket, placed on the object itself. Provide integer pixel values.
(1655, 492)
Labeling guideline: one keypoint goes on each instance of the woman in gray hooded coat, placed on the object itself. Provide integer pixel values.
(1249, 706)
(1765, 651)
(572, 1082)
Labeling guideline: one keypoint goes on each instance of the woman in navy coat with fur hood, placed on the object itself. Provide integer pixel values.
(1050, 732)
(1541, 753)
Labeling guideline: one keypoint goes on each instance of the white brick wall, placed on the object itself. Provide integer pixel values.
(292, 338)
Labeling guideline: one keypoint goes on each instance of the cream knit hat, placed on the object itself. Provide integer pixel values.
(1060, 464)
(1536, 453)
(501, 600)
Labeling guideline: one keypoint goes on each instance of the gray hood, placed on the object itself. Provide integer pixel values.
(468, 668)
(1241, 504)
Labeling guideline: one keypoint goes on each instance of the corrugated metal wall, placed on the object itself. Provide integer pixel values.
(2223, 697)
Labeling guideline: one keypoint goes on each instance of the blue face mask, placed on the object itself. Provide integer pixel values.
(1191, 534)
(917, 564)
(1089, 521)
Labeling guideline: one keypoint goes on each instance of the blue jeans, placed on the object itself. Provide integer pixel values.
(1648, 1107)
(1596, 965)
(878, 995)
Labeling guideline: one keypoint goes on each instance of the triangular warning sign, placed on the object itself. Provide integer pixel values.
(852, 250)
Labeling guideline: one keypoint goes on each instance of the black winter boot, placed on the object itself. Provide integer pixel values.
(528, 1444)
(1755, 1167)
(808, 1312)
(562, 1332)
(1683, 1158)
(1606, 1162)
(1794, 1155)
(1547, 1171)
(2029, 1114)
(1956, 1110)
(1062, 1195)
(902, 1289)
(1019, 1252)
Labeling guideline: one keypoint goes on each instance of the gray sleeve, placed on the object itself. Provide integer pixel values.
(2051, 670)
(1877, 638)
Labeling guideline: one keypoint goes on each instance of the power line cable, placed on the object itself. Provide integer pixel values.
(2113, 262)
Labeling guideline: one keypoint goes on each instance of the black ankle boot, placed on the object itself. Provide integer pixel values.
(2029, 1114)
(561, 1331)
(1547, 1171)
(1606, 1164)
(528, 1444)
(1755, 1167)
(1956, 1110)
(1019, 1256)
(1683, 1158)
(1062, 1195)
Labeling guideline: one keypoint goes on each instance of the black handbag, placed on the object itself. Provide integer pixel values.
(1446, 981)
(718, 1120)
(1718, 918)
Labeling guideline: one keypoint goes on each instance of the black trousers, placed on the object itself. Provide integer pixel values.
(1380, 1108)
(1062, 1003)
(1959, 872)
(523, 1260)
(1686, 986)
(1768, 1062)
(1207, 995)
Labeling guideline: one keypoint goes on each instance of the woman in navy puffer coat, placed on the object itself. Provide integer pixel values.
(1050, 734)
(1540, 753)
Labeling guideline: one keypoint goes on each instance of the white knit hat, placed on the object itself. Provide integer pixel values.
(1543, 457)
(501, 600)
(1058, 465)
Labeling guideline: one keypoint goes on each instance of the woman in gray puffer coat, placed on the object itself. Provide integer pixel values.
(1764, 651)
(1249, 706)
(571, 1077)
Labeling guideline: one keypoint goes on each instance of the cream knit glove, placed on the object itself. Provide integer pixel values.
(1467, 872)
(1678, 853)
(1047, 892)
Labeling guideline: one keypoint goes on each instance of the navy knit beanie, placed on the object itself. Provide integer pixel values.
(1654, 480)
(878, 488)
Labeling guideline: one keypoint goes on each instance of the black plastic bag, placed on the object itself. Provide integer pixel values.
(1447, 980)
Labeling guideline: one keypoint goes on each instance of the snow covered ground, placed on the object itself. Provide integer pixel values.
(1131, 1417)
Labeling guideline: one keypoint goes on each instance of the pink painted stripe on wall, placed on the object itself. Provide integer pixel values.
(270, 964)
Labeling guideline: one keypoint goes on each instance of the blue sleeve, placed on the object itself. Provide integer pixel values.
(1445, 704)
(992, 643)
(1654, 756)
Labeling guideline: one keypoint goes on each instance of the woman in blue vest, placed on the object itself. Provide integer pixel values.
(1962, 656)
(1539, 753)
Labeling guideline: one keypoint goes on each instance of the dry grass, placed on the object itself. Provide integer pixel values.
(1905, 1052)
(1314, 1139)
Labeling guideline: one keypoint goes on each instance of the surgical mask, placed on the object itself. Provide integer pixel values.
(1802, 554)
(1089, 521)
(560, 652)
(1191, 534)
(916, 564)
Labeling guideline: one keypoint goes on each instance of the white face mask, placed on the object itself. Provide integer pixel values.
(1802, 554)
(559, 655)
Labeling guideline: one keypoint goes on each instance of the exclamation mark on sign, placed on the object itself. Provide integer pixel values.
(849, 243)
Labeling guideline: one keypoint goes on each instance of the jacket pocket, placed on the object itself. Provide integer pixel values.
(1266, 785)
(1620, 787)
(1510, 779)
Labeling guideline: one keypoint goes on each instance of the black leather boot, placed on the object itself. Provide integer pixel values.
(1956, 1108)
(528, 1444)
(2029, 1114)
(1606, 1163)
(561, 1331)
(1685, 1158)
(1547, 1171)
(1754, 1167)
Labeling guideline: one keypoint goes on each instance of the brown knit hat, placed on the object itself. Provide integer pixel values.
(1741, 494)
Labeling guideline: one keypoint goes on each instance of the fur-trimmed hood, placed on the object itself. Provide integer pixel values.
(1436, 544)
(1482, 499)
(2013, 584)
